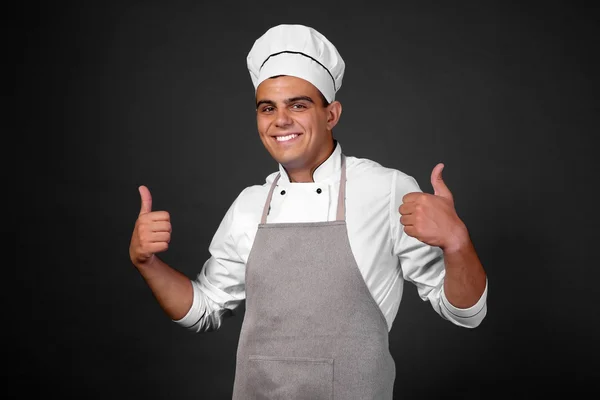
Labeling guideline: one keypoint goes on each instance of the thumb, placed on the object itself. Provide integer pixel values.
(439, 187)
(146, 200)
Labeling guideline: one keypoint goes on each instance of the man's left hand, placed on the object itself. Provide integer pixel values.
(432, 218)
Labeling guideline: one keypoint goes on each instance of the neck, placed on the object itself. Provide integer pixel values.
(305, 174)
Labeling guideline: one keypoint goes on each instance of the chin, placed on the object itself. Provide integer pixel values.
(284, 157)
(285, 161)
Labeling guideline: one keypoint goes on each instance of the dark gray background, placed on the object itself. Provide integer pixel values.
(111, 95)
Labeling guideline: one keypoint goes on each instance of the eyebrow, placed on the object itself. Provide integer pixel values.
(287, 101)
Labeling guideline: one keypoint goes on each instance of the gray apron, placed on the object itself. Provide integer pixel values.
(311, 330)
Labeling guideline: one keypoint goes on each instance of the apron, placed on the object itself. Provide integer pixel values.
(311, 329)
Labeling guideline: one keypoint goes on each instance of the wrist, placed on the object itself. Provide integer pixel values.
(458, 240)
(145, 263)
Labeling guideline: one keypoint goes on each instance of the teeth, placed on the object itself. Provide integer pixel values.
(285, 138)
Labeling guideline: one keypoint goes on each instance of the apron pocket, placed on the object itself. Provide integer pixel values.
(290, 378)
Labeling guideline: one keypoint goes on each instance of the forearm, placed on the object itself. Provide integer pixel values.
(171, 288)
(465, 278)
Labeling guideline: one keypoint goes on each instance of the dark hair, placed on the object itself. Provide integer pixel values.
(323, 99)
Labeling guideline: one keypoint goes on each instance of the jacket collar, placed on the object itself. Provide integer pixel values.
(328, 168)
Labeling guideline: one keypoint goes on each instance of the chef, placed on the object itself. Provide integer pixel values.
(320, 252)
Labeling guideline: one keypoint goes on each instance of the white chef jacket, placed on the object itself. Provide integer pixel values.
(386, 256)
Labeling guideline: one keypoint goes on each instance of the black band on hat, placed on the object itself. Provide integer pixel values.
(305, 55)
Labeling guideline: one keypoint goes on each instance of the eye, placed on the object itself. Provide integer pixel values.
(267, 109)
(298, 106)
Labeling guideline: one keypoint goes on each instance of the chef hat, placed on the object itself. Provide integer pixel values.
(299, 51)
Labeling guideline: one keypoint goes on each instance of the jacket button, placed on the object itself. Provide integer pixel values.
(319, 190)
(282, 192)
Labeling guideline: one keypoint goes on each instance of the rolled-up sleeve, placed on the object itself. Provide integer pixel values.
(466, 317)
(423, 265)
(219, 288)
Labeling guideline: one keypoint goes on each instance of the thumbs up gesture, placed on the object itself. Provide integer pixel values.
(432, 218)
(152, 232)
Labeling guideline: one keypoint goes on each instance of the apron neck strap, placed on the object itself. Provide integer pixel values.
(341, 206)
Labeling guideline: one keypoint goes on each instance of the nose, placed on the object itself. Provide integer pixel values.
(283, 118)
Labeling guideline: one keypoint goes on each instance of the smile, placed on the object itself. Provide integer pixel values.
(287, 138)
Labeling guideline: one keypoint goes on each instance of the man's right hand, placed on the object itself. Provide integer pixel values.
(152, 232)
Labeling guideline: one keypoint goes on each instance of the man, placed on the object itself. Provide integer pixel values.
(320, 252)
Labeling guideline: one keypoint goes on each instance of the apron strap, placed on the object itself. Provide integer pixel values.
(341, 206)
(267, 207)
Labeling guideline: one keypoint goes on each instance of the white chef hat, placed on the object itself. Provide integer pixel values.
(299, 51)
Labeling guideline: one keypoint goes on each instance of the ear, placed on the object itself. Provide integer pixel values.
(334, 112)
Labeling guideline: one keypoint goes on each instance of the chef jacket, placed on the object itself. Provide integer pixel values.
(385, 254)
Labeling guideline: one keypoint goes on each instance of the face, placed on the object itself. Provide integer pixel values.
(293, 124)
